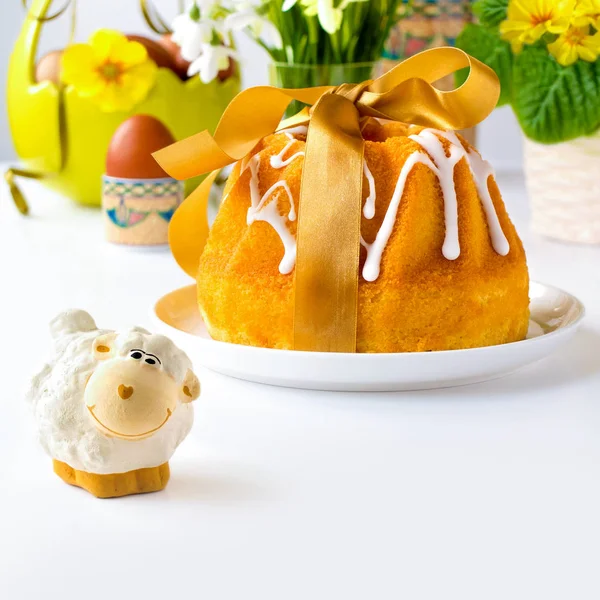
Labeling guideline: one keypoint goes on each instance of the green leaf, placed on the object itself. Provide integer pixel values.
(555, 103)
(491, 12)
(491, 50)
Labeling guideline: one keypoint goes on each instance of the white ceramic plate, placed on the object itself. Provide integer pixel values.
(555, 316)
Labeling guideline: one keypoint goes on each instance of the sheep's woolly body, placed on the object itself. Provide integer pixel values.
(64, 426)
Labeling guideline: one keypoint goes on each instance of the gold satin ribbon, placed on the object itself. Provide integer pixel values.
(328, 238)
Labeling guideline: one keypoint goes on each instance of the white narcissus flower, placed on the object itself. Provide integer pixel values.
(330, 15)
(191, 35)
(211, 60)
(203, 33)
(261, 27)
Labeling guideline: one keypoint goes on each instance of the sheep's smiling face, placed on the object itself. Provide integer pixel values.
(132, 396)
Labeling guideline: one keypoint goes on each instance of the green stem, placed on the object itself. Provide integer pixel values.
(364, 29)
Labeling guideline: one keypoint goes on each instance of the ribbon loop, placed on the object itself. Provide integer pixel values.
(351, 91)
(326, 274)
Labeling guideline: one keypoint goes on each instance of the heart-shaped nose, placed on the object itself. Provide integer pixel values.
(125, 392)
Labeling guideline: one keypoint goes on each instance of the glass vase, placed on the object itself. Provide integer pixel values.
(295, 76)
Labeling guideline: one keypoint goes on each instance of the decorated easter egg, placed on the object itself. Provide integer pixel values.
(48, 68)
(130, 150)
(156, 51)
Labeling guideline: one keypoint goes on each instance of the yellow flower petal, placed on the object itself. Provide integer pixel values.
(104, 42)
(111, 71)
(575, 44)
(534, 34)
(90, 85)
(568, 56)
(513, 27)
(562, 52)
(77, 60)
(590, 48)
(137, 82)
(587, 12)
(129, 54)
(517, 11)
(528, 20)
(588, 54)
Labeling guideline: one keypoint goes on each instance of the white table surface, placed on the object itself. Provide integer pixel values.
(484, 492)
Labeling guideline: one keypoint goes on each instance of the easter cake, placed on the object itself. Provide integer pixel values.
(441, 265)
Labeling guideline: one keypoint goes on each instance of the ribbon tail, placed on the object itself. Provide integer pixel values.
(406, 92)
(17, 195)
(250, 116)
(188, 230)
(328, 237)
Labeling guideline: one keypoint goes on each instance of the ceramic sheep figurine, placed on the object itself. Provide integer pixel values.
(112, 407)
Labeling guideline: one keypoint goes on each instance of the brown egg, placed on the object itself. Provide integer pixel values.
(48, 68)
(181, 65)
(130, 150)
(156, 52)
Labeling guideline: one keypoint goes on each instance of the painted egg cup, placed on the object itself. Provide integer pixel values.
(137, 212)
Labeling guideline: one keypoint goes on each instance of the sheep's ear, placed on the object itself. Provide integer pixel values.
(190, 389)
(71, 321)
(104, 346)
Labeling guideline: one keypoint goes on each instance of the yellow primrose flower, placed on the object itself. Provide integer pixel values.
(574, 44)
(528, 20)
(587, 12)
(110, 70)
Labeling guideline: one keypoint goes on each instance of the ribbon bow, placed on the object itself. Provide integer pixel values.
(328, 235)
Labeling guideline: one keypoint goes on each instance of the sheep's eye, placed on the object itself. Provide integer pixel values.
(150, 361)
(137, 355)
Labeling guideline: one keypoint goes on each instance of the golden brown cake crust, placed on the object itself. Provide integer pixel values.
(421, 301)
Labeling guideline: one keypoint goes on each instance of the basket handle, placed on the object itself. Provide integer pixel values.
(37, 15)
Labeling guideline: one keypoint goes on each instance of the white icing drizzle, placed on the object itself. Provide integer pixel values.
(481, 171)
(376, 248)
(441, 165)
(277, 161)
(259, 210)
(429, 141)
(292, 131)
(369, 208)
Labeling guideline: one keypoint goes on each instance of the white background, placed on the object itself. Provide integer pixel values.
(499, 141)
